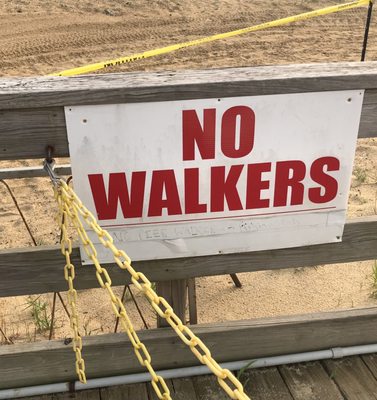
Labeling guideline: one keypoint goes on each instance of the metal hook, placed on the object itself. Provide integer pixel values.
(50, 151)
(49, 164)
(49, 168)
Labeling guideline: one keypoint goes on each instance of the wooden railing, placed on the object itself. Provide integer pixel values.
(32, 118)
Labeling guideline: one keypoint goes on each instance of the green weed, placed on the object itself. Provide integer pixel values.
(42, 319)
(241, 373)
(360, 174)
(333, 374)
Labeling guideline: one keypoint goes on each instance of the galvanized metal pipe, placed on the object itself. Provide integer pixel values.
(333, 353)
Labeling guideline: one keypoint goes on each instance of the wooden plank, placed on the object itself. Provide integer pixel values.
(309, 381)
(106, 355)
(353, 378)
(164, 289)
(265, 383)
(40, 269)
(41, 92)
(125, 392)
(184, 389)
(151, 392)
(32, 114)
(93, 394)
(368, 121)
(191, 294)
(180, 389)
(179, 298)
(175, 292)
(371, 361)
(26, 133)
(207, 388)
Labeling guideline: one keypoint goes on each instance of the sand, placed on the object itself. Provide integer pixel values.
(40, 37)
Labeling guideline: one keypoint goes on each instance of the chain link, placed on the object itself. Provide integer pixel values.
(69, 275)
(71, 206)
(69, 209)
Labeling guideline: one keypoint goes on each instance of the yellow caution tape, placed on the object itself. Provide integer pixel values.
(163, 50)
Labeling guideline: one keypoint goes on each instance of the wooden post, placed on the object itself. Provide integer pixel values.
(193, 311)
(175, 292)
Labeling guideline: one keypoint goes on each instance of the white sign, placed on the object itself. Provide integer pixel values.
(198, 177)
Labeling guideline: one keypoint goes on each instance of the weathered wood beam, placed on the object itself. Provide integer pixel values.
(32, 115)
(26, 133)
(368, 121)
(175, 293)
(105, 355)
(42, 92)
(40, 269)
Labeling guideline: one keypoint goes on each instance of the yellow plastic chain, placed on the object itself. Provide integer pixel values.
(72, 207)
(67, 209)
(69, 275)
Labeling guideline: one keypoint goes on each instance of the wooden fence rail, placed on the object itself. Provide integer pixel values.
(32, 115)
(106, 355)
(40, 269)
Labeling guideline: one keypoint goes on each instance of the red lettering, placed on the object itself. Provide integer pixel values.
(203, 136)
(164, 183)
(246, 118)
(225, 188)
(255, 185)
(289, 174)
(327, 182)
(192, 205)
(107, 206)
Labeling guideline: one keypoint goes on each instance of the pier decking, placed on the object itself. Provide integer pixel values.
(352, 378)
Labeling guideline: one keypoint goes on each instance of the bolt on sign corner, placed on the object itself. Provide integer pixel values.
(213, 176)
